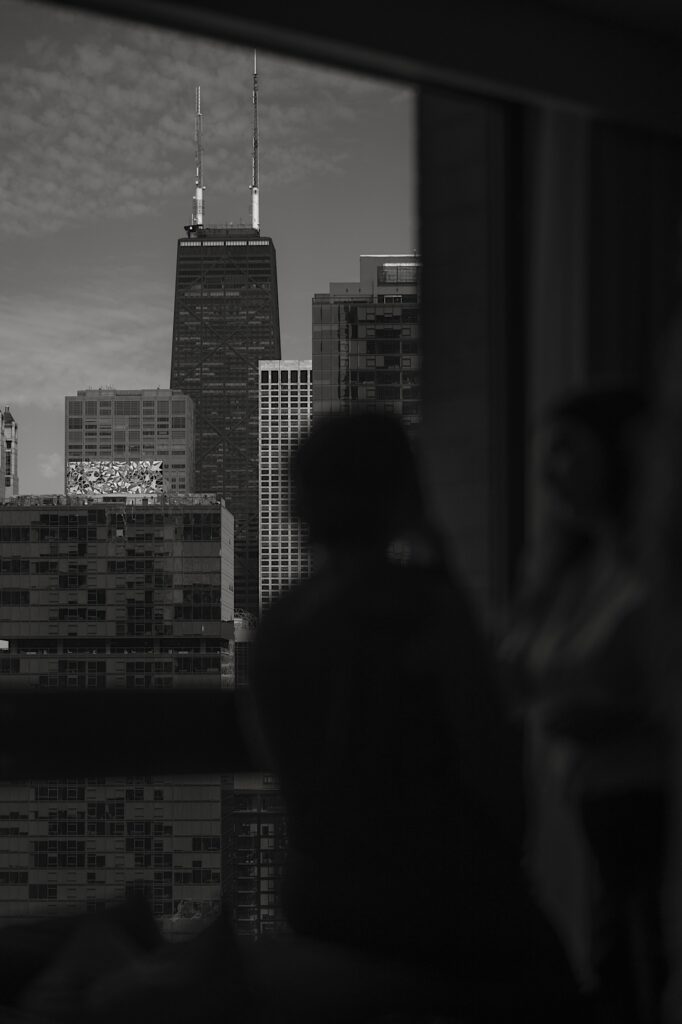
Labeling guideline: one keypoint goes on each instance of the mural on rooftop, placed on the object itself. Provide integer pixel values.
(107, 476)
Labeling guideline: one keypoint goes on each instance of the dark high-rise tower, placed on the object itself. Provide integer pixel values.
(226, 319)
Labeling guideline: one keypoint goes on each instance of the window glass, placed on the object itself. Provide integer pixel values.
(119, 601)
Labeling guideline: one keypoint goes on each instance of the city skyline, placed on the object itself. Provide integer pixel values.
(97, 184)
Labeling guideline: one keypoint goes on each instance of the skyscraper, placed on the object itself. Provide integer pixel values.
(9, 444)
(285, 416)
(366, 341)
(126, 441)
(226, 319)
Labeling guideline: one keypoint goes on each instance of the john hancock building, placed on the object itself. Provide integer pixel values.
(226, 319)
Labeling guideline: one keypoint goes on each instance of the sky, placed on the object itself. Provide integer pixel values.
(96, 185)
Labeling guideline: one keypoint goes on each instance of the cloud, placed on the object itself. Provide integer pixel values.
(98, 119)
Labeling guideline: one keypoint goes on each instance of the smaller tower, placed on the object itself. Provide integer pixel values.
(285, 414)
(255, 212)
(9, 445)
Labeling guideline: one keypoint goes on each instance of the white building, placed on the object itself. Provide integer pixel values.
(285, 413)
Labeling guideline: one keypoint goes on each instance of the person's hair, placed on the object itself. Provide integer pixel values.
(355, 479)
(612, 415)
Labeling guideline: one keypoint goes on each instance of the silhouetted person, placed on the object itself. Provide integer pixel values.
(401, 778)
(581, 636)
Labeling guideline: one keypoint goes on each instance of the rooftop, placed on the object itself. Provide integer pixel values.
(58, 500)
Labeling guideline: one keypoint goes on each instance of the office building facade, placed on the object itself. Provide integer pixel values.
(9, 446)
(367, 341)
(285, 415)
(129, 593)
(226, 319)
(127, 442)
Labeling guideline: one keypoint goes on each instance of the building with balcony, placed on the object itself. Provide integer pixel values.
(254, 852)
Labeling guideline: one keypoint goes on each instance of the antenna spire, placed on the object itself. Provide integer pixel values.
(255, 212)
(198, 201)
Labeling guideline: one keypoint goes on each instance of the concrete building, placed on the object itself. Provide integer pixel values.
(9, 445)
(367, 341)
(133, 592)
(284, 420)
(123, 442)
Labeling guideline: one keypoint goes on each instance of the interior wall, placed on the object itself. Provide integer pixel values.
(635, 250)
(515, 316)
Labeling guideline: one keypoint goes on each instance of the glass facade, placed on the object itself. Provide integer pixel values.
(226, 319)
(367, 341)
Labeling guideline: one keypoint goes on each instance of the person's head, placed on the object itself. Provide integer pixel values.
(355, 481)
(590, 462)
